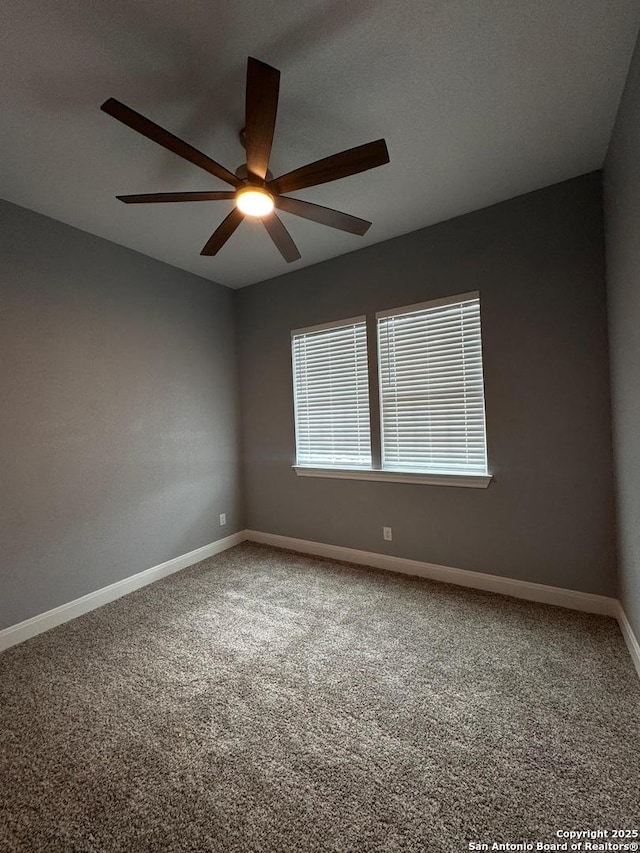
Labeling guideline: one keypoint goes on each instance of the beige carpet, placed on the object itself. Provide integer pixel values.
(267, 701)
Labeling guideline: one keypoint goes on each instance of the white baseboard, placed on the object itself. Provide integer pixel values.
(630, 638)
(573, 600)
(584, 601)
(44, 621)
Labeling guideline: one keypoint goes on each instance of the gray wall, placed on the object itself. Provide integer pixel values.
(538, 261)
(119, 419)
(622, 212)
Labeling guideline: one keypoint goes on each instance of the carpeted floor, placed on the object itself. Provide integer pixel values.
(268, 701)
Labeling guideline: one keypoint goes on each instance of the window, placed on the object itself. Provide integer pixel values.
(431, 387)
(431, 396)
(331, 395)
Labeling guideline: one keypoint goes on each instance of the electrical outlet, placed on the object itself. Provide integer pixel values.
(387, 534)
(223, 519)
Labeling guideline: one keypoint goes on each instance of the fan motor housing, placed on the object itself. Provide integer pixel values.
(243, 173)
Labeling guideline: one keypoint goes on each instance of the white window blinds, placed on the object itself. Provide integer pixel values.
(331, 395)
(431, 387)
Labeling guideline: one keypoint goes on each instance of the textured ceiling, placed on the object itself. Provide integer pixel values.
(479, 101)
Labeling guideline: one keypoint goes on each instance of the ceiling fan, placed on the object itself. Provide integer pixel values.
(255, 191)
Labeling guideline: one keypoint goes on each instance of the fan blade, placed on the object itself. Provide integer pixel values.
(157, 134)
(146, 198)
(281, 238)
(263, 83)
(323, 215)
(341, 165)
(223, 232)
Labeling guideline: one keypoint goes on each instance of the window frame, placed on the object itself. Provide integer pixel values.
(377, 472)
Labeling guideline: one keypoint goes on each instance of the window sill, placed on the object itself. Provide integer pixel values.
(469, 481)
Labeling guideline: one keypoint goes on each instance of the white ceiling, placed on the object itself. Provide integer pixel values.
(479, 101)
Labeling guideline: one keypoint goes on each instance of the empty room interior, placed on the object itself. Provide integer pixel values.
(319, 426)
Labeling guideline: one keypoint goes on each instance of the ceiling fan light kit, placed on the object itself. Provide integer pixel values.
(255, 191)
(254, 201)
